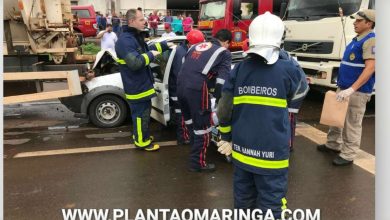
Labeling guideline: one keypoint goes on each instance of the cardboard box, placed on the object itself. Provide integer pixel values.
(333, 112)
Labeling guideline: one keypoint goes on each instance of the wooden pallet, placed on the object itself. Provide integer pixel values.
(72, 77)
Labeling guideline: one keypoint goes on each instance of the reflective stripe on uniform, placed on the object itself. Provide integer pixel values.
(202, 132)
(174, 98)
(225, 129)
(140, 142)
(188, 122)
(260, 100)
(353, 64)
(212, 60)
(268, 164)
(177, 111)
(284, 203)
(120, 61)
(146, 57)
(140, 95)
(293, 110)
(158, 46)
(220, 81)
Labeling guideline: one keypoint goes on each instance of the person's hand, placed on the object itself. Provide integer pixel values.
(225, 147)
(155, 53)
(345, 94)
(170, 44)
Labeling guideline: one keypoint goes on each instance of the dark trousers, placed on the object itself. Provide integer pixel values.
(254, 191)
(140, 115)
(195, 106)
(182, 133)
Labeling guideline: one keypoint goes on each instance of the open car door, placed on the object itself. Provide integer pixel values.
(161, 69)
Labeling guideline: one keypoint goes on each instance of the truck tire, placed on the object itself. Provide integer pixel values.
(108, 111)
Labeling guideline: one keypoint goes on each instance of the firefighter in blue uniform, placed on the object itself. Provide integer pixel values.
(193, 37)
(203, 62)
(134, 58)
(253, 115)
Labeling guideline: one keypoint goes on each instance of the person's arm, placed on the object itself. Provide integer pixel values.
(101, 33)
(222, 69)
(131, 57)
(160, 47)
(368, 71)
(300, 88)
(296, 100)
(225, 111)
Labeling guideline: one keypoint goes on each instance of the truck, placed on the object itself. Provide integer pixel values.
(317, 33)
(234, 15)
(38, 27)
(86, 20)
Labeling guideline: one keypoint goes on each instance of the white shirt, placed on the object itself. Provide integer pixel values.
(109, 19)
(108, 41)
(171, 34)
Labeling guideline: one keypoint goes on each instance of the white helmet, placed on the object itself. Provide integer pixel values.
(265, 36)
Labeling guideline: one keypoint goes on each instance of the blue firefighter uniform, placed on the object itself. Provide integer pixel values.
(352, 65)
(182, 132)
(134, 58)
(293, 105)
(258, 125)
(203, 62)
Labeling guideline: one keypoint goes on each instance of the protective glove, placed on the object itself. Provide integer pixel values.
(345, 94)
(225, 147)
(155, 53)
(170, 44)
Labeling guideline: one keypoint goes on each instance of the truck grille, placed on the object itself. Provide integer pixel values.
(208, 33)
(309, 47)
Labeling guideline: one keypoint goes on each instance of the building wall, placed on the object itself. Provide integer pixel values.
(105, 6)
(146, 5)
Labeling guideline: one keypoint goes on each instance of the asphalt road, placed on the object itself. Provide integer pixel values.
(81, 166)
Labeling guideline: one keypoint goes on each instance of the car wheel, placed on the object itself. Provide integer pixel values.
(108, 111)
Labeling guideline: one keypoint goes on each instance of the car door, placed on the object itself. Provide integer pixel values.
(160, 103)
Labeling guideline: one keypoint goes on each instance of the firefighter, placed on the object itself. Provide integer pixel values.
(253, 116)
(193, 37)
(203, 62)
(134, 57)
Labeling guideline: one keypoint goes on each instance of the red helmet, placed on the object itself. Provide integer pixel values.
(195, 36)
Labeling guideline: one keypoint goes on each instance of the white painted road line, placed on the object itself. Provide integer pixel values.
(364, 160)
(16, 141)
(109, 135)
(86, 150)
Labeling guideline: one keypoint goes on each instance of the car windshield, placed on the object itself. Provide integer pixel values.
(212, 10)
(317, 9)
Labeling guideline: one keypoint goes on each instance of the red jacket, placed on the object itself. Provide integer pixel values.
(153, 21)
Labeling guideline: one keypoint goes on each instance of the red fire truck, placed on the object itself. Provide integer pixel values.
(234, 15)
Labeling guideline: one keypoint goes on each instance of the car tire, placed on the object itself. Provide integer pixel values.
(108, 111)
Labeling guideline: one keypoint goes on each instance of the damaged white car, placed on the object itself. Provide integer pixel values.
(103, 100)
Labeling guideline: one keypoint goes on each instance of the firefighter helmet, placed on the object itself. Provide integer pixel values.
(195, 36)
(265, 36)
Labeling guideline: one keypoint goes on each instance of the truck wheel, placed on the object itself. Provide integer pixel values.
(108, 111)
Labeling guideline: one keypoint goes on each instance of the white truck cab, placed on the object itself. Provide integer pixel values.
(317, 33)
